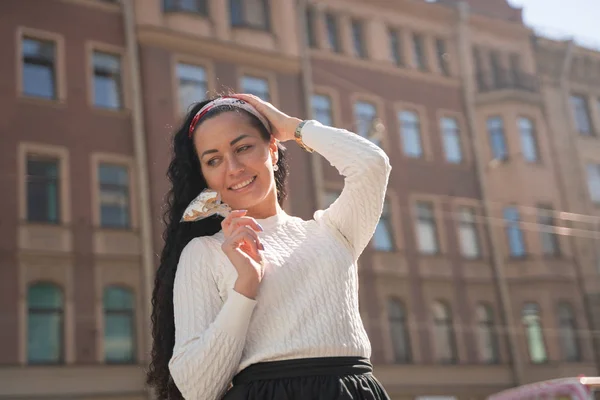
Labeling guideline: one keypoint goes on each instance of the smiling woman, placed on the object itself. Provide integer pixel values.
(262, 299)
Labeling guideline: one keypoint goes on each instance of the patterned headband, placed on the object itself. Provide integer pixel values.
(227, 101)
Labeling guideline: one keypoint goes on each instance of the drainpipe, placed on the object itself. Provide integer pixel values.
(480, 167)
(565, 94)
(141, 165)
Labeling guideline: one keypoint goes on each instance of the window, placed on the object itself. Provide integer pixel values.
(496, 69)
(443, 56)
(468, 233)
(534, 334)
(107, 80)
(192, 85)
(396, 47)
(383, 239)
(568, 333)
(426, 229)
(44, 324)
(581, 114)
(514, 233)
(451, 140)
(358, 39)
(114, 196)
(365, 114)
(593, 175)
(311, 37)
(43, 188)
(256, 86)
(321, 109)
(486, 335)
(419, 53)
(515, 68)
(495, 127)
(528, 142)
(443, 334)
(250, 13)
(410, 130)
(39, 68)
(549, 239)
(119, 325)
(399, 331)
(332, 33)
(193, 6)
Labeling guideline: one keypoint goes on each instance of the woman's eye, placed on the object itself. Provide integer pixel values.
(212, 162)
(244, 148)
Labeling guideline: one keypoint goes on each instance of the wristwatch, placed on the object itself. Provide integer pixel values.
(298, 136)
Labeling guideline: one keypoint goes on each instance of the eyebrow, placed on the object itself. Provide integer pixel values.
(234, 141)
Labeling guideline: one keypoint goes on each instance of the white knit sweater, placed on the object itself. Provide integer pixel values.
(307, 305)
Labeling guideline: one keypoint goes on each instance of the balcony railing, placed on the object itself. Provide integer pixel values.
(502, 79)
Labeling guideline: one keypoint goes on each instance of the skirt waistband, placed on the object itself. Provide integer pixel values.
(336, 366)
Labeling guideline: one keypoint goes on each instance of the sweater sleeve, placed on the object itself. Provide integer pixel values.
(366, 169)
(209, 334)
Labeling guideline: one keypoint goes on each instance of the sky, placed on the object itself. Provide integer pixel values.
(579, 19)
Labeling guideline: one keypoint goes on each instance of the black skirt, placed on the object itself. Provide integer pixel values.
(330, 378)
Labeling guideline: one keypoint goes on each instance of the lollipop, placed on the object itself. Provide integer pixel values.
(206, 204)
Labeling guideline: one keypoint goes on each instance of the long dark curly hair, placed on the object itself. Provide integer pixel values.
(187, 182)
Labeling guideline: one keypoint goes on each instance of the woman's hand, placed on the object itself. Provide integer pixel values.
(282, 125)
(242, 246)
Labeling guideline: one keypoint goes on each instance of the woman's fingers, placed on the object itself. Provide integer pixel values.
(226, 223)
(231, 223)
(244, 235)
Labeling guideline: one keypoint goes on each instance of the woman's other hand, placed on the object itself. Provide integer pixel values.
(282, 125)
(242, 246)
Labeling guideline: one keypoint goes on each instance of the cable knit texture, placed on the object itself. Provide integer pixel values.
(307, 305)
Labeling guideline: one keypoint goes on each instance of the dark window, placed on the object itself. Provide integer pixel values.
(119, 326)
(383, 238)
(427, 236)
(410, 131)
(107, 80)
(593, 179)
(495, 126)
(419, 52)
(514, 233)
(445, 349)
(528, 140)
(332, 33)
(487, 343)
(399, 331)
(45, 324)
(365, 114)
(451, 140)
(256, 86)
(43, 190)
(396, 47)
(468, 234)
(311, 37)
(192, 85)
(193, 6)
(358, 39)
(568, 332)
(114, 196)
(548, 237)
(581, 114)
(39, 68)
(321, 109)
(250, 13)
(443, 56)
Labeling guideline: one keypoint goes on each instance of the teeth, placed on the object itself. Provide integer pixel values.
(243, 184)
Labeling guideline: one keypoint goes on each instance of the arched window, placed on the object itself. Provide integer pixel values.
(568, 332)
(487, 343)
(534, 333)
(44, 324)
(119, 325)
(443, 334)
(399, 331)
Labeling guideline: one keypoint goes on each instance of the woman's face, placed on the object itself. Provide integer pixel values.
(237, 162)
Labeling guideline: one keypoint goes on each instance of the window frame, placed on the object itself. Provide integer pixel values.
(60, 95)
(133, 318)
(403, 325)
(549, 213)
(125, 95)
(245, 24)
(490, 326)
(433, 220)
(357, 30)
(595, 165)
(572, 325)
(334, 45)
(387, 218)
(495, 131)
(541, 329)
(175, 7)
(119, 82)
(419, 52)
(517, 225)
(457, 132)
(443, 62)
(396, 49)
(532, 132)
(414, 125)
(448, 323)
(576, 113)
(62, 328)
(474, 225)
(269, 77)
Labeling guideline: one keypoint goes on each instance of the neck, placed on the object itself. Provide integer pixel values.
(266, 209)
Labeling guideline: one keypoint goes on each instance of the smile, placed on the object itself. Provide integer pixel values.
(243, 184)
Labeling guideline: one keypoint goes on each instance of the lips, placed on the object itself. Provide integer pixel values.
(243, 184)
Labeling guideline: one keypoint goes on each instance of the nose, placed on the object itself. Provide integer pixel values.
(234, 166)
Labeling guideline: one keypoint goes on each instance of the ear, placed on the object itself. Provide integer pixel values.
(274, 150)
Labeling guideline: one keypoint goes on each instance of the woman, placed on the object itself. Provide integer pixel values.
(262, 297)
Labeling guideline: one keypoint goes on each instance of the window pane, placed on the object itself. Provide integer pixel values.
(256, 86)
(513, 232)
(534, 334)
(443, 333)
(396, 47)
(495, 128)
(398, 331)
(593, 175)
(383, 238)
(192, 85)
(528, 142)
(581, 114)
(118, 337)
(410, 128)
(451, 139)
(39, 68)
(321, 109)
(332, 32)
(467, 231)
(114, 195)
(442, 57)
(357, 36)
(42, 190)
(255, 12)
(107, 80)
(118, 299)
(365, 114)
(418, 52)
(311, 38)
(426, 229)
(548, 238)
(486, 337)
(44, 324)
(568, 333)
